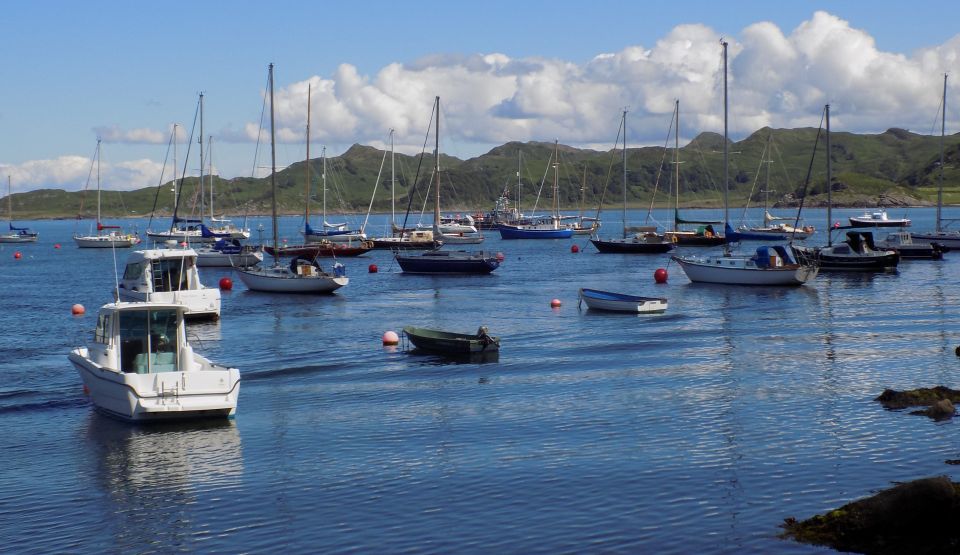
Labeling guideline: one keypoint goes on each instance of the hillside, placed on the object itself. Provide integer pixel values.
(893, 167)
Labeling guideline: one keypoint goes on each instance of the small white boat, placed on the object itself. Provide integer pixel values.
(619, 302)
(224, 254)
(878, 219)
(169, 276)
(140, 367)
(107, 236)
(302, 276)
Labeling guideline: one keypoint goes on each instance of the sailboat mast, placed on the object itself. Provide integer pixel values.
(210, 172)
(393, 188)
(10, 199)
(556, 183)
(726, 165)
(943, 125)
(98, 185)
(202, 160)
(829, 183)
(623, 125)
(323, 181)
(676, 157)
(306, 213)
(436, 204)
(273, 177)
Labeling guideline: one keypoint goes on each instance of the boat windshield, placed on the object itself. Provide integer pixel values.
(148, 341)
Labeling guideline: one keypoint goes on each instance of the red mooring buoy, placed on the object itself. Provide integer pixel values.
(226, 284)
(372, 269)
(574, 249)
(660, 276)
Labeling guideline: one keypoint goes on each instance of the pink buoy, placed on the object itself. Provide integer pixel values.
(660, 276)
(56, 246)
(183, 244)
(574, 249)
(77, 310)
(500, 257)
(555, 303)
(390, 338)
(372, 269)
(226, 284)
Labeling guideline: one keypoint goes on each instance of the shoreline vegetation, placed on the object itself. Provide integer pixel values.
(894, 169)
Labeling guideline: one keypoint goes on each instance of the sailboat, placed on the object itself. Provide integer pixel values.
(946, 238)
(315, 247)
(399, 238)
(329, 232)
(438, 261)
(771, 231)
(113, 237)
(16, 234)
(858, 251)
(301, 276)
(193, 230)
(770, 265)
(645, 240)
(550, 229)
(705, 235)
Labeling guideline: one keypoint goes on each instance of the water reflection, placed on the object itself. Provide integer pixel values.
(152, 475)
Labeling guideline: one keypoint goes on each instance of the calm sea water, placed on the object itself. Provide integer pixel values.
(696, 431)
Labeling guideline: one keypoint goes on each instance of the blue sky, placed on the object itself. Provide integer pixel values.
(521, 70)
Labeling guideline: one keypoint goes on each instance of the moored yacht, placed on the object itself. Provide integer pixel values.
(169, 276)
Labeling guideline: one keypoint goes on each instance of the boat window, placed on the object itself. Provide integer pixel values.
(169, 275)
(102, 334)
(134, 270)
(148, 341)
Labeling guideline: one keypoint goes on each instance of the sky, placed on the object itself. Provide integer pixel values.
(519, 70)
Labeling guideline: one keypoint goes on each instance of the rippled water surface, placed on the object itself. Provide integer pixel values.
(699, 430)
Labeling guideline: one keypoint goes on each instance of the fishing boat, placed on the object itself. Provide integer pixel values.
(643, 240)
(107, 236)
(300, 276)
(452, 343)
(620, 302)
(902, 242)
(547, 228)
(169, 276)
(858, 252)
(878, 218)
(16, 234)
(769, 265)
(947, 238)
(139, 367)
(440, 261)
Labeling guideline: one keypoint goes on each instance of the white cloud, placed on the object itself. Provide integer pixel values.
(778, 78)
(71, 173)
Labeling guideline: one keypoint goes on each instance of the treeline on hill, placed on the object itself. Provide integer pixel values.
(894, 167)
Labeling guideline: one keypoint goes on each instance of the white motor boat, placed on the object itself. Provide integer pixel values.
(169, 276)
(140, 367)
(224, 254)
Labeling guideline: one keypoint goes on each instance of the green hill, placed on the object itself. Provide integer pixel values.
(893, 167)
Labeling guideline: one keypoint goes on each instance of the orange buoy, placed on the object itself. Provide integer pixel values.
(574, 249)
(555, 303)
(226, 284)
(77, 309)
(17, 255)
(390, 338)
(660, 276)
(372, 268)
(500, 257)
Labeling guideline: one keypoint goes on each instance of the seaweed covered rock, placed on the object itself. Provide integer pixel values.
(922, 516)
(923, 397)
(941, 410)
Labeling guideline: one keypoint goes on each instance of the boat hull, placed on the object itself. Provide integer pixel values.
(448, 262)
(216, 259)
(631, 246)
(450, 343)
(105, 241)
(948, 240)
(18, 238)
(282, 280)
(326, 250)
(397, 244)
(515, 232)
(199, 303)
(211, 393)
(619, 302)
(739, 272)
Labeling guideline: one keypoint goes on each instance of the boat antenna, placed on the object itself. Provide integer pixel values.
(116, 279)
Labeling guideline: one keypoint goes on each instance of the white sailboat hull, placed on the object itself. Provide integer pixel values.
(106, 241)
(740, 270)
(949, 239)
(18, 238)
(281, 280)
